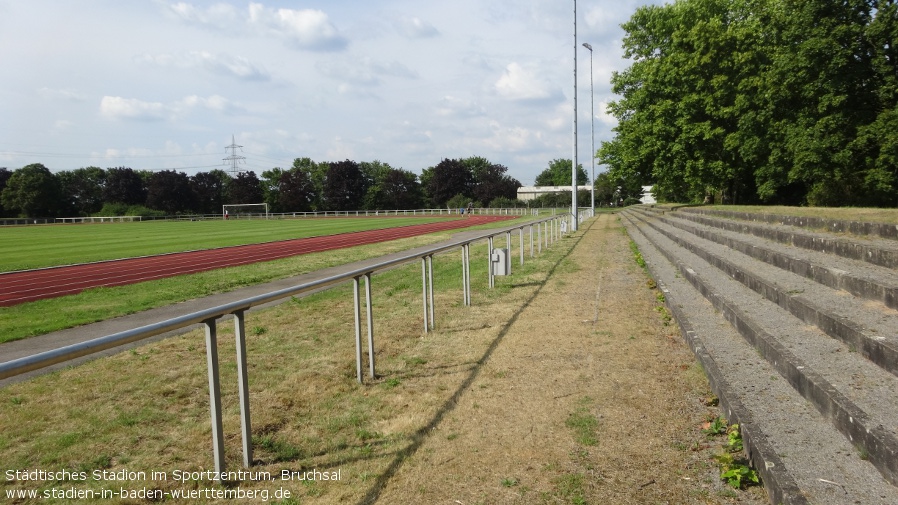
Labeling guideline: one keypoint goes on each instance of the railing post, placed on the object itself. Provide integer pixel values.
(370, 316)
(424, 289)
(521, 230)
(357, 317)
(466, 274)
(214, 396)
(539, 237)
(531, 240)
(243, 388)
(430, 287)
(489, 263)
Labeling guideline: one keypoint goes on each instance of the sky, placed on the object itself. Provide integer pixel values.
(167, 85)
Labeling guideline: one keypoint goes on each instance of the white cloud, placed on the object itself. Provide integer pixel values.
(526, 84)
(306, 29)
(221, 15)
(62, 125)
(116, 107)
(513, 139)
(601, 20)
(415, 28)
(215, 103)
(364, 71)
(61, 94)
(604, 116)
(450, 106)
(222, 64)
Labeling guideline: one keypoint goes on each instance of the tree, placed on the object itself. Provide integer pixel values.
(209, 191)
(491, 181)
(391, 188)
(125, 186)
(245, 188)
(5, 174)
(170, 192)
(344, 186)
(445, 180)
(559, 174)
(82, 190)
(270, 183)
(399, 189)
(32, 191)
(316, 173)
(605, 190)
(786, 101)
(295, 191)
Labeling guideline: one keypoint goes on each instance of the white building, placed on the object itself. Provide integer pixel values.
(526, 193)
(647, 196)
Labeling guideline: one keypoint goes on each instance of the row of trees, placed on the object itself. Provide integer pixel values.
(760, 101)
(35, 191)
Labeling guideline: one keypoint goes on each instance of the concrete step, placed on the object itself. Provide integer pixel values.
(870, 330)
(818, 419)
(877, 251)
(860, 228)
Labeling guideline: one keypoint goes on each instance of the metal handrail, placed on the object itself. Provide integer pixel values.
(208, 317)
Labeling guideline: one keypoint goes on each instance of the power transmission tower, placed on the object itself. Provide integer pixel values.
(233, 158)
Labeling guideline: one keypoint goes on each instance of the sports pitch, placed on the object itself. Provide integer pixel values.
(29, 247)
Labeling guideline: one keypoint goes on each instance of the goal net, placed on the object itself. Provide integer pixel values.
(245, 211)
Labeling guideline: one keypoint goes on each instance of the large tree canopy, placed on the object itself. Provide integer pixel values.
(170, 192)
(32, 191)
(447, 179)
(344, 186)
(82, 191)
(559, 174)
(124, 185)
(786, 101)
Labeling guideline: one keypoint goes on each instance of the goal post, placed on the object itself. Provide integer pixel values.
(244, 211)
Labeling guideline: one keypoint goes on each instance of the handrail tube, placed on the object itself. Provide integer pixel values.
(48, 358)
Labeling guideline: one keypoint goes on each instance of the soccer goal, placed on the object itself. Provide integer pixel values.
(245, 211)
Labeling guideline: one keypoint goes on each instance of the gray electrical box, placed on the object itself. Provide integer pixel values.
(501, 262)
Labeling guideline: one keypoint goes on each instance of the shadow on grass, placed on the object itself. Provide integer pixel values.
(418, 437)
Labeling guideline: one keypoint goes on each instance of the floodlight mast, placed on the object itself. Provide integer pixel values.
(574, 157)
(592, 130)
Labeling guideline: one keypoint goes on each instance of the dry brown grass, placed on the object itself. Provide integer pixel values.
(561, 385)
(872, 215)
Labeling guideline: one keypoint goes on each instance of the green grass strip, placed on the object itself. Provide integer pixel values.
(27, 247)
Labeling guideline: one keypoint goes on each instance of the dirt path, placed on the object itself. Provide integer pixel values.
(590, 397)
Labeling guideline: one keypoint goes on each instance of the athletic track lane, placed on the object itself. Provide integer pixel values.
(30, 285)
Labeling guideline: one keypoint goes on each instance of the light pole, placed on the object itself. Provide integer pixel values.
(574, 157)
(592, 129)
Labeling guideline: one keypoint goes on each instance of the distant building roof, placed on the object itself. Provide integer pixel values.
(532, 192)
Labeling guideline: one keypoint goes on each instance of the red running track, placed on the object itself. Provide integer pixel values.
(30, 285)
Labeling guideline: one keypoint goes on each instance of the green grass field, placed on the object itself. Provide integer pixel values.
(29, 247)
(106, 241)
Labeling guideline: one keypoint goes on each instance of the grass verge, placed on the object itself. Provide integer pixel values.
(146, 410)
(45, 316)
